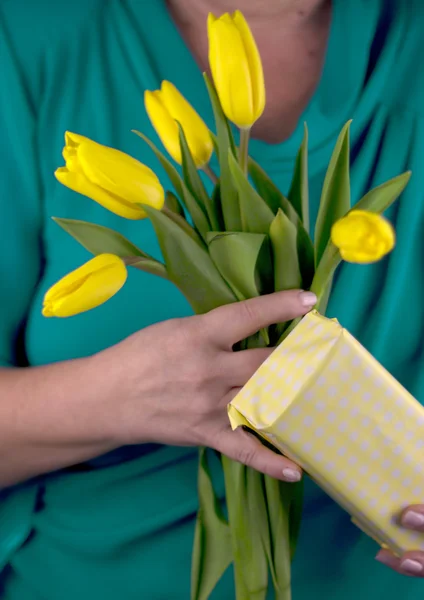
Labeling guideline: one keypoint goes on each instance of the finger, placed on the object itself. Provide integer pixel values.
(388, 559)
(229, 324)
(239, 367)
(413, 517)
(245, 448)
(230, 396)
(411, 563)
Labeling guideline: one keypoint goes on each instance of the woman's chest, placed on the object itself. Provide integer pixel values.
(103, 99)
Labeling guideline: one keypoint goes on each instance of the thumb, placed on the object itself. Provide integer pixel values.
(247, 449)
(231, 323)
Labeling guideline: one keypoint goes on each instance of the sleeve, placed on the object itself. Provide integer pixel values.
(20, 198)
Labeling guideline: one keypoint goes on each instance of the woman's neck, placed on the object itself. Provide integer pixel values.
(253, 10)
(292, 39)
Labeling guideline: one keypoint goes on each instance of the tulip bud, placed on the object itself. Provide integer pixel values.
(236, 68)
(363, 237)
(167, 106)
(110, 177)
(85, 288)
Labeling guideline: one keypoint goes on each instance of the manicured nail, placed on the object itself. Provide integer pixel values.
(291, 475)
(413, 520)
(383, 558)
(413, 567)
(308, 299)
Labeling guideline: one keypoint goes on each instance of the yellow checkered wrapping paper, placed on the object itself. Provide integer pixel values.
(325, 402)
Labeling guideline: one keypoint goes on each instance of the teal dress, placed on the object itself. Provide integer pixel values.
(121, 526)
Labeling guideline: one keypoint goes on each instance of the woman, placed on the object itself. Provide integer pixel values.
(98, 435)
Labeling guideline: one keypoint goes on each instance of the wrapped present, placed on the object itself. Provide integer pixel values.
(325, 402)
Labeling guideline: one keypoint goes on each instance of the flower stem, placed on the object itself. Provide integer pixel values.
(209, 172)
(244, 149)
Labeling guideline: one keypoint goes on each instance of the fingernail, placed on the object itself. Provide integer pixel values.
(308, 299)
(291, 475)
(413, 519)
(382, 558)
(413, 567)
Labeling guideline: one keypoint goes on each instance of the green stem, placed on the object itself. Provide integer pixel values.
(244, 149)
(209, 172)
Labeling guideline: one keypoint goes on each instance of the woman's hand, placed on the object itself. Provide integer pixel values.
(411, 563)
(174, 379)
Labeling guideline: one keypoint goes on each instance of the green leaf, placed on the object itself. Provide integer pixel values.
(278, 497)
(249, 529)
(380, 198)
(306, 255)
(255, 213)
(199, 218)
(229, 197)
(323, 277)
(194, 182)
(236, 256)
(189, 265)
(98, 239)
(244, 261)
(275, 199)
(169, 168)
(377, 200)
(214, 139)
(173, 204)
(217, 205)
(299, 190)
(296, 511)
(147, 265)
(283, 235)
(270, 193)
(284, 506)
(335, 197)
(181, 222)
(212, 551)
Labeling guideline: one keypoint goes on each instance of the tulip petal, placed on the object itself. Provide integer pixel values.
(363, 258)
(363, 237)
(74, 139)
(120, 174)
(79, 183)
(195, 130)
(348, 233)
(254, 61)
(163, 122)
(230, 70)
(211, 21)
(87, 287)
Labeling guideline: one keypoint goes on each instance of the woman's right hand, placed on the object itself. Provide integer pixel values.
(174, 379)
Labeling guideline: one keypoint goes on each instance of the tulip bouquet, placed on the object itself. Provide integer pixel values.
(243, 239)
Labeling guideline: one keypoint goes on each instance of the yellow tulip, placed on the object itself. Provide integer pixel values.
(236, 68)
(110, 177)
(363, 237)
(85, 288)
(167, 106)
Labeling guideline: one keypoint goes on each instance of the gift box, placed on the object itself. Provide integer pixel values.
(325, 402)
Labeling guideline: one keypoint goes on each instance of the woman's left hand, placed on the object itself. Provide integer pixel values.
(411, 563)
